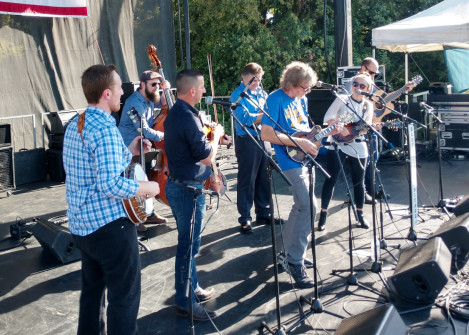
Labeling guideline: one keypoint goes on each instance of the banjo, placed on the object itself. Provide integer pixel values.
(138, 208)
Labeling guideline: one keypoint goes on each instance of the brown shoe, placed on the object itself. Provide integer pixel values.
(156, 219)
(140, 227)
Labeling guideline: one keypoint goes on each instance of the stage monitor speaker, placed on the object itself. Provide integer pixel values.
(319, 102)
(56, 240)
(5, 135)
(462, 206)
(422, 272)
(7, 168)
(382, 320)
(455, 234)
(60, 120)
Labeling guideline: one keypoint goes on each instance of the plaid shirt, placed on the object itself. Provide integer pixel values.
(94, 183)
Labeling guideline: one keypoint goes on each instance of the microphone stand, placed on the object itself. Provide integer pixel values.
(377, 264)
(316, 306)
(270, 166)
(441, 201)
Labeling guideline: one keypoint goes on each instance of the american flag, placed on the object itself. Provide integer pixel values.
(47, 8)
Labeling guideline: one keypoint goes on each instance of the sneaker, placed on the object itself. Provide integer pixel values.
(298, 272)
(322, 221)
(204, 295)
(199, 313)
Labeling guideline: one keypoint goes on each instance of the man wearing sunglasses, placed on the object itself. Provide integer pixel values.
(145, 99)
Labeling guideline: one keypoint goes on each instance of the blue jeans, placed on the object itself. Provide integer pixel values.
(182, 204)
(110, 259)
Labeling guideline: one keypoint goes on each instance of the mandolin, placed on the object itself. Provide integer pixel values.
(355, 128)
(315, 136)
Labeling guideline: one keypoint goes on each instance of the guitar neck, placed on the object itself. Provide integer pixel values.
(394, 95)
(324, 132)
(167, 92)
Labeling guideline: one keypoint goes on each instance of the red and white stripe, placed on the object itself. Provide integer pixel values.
(49, 8)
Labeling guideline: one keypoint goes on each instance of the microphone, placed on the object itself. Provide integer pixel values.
(366, 94)
(245, 90)
(426, 106)
(210, 100)
(328, 86)
(196, 190)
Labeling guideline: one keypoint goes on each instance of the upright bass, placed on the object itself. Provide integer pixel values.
(160, 172)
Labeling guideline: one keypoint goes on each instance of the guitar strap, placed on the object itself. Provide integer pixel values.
(81, 125)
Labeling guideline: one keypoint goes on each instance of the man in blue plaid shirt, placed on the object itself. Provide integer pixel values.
(95, 158)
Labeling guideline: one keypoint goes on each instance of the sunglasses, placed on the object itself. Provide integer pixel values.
(362, 86)
(369, 71)
(154, 84)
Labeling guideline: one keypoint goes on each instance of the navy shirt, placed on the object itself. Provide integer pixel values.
(185, 143)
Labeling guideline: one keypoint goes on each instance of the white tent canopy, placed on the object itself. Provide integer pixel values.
(446, 23)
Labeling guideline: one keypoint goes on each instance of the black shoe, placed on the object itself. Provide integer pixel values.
(369, 199)
(266, 220)
(322, 221)
(199, 313)
(361, 219)
(246, 227)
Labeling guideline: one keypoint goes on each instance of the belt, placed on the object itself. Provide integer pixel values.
(183, 182)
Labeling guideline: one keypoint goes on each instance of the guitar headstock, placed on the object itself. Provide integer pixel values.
(416, 80)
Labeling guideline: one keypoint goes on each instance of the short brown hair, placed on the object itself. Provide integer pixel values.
(95, 80)
(297, 73)
(252, 68)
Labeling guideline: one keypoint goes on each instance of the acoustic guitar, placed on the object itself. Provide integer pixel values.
(379, 107)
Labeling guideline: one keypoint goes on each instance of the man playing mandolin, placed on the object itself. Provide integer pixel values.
(145, 99)
(288, 107)
(190, 156)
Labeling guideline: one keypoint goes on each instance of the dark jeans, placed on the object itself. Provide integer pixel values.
(253, 184)
(181, 203)
(357, 169)
(110, 259)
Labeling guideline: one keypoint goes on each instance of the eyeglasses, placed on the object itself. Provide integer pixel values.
(306, 89)
(362, 86)
(372, 73)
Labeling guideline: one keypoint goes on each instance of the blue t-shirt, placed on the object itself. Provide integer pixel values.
(247, 114)
(292, 115)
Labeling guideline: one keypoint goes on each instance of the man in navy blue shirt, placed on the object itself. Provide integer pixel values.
(190, 156)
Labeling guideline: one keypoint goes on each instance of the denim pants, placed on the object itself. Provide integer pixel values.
(357, 168)
(298, 226)
(182, 204)
(253, 184)
(110, 259)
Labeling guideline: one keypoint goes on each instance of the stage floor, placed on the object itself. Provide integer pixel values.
(39, 294)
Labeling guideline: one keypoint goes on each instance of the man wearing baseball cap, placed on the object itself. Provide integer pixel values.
(145, 99)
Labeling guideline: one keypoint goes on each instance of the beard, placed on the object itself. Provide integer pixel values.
(153, 96)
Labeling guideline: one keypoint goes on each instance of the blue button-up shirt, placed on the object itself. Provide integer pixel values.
(246, 113)
(128, 126)
(94, 183)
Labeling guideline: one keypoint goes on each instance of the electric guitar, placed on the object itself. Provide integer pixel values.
(379, 107)
(315, 136)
